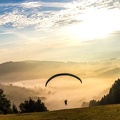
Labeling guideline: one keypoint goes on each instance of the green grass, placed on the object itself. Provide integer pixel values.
(108, 112)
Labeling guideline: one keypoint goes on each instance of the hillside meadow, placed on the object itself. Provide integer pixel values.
(107, 112)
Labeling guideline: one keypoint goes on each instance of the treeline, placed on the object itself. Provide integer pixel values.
(27, 106)
(32, 106)
(113, 97)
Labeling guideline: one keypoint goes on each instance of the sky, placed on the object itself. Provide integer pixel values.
(59, 30)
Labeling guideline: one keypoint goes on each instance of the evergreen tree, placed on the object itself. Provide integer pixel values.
(114, 92)
(40, 106)
(24, 107)
(14, 108)
(113, 97)
(4, 103)
(31, 105)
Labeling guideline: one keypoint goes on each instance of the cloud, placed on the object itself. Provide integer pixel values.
(33, 14)
(34, 4)
(31, 4)
(5, 32)
(52, 30)
(40, 19)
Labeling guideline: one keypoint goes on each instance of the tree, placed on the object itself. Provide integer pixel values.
(93, 103)
(113, 97)
(40, 106)
(14, 108)
(85, 104)
(114, 92)
(24, 107)
(4, 103)
(32, 106)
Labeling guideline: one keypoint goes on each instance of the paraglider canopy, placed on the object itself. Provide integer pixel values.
(62, 74)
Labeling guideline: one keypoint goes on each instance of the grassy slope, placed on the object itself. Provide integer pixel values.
(108, 112)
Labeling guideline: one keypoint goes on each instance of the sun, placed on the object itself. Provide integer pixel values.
(95, 25)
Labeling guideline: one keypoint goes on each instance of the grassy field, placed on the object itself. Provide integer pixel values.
(108, 112)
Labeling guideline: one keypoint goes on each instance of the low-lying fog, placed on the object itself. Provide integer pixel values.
(62, 88)
(97, 77)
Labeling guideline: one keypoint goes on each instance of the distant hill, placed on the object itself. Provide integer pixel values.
(15, 71)
(27, 70)
(115, 72)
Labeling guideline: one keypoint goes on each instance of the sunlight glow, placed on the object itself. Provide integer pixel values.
(97, 24)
